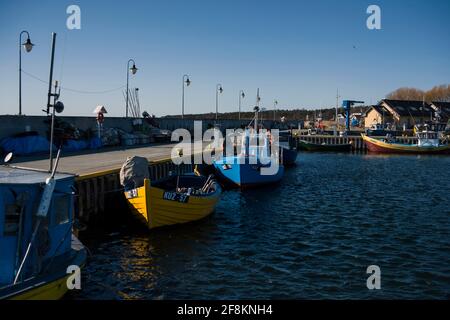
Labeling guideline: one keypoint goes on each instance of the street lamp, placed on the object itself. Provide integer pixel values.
(275, 103)
(219, 89)
(28, 46)
(241, 95)
(133, 70)
(186, 81)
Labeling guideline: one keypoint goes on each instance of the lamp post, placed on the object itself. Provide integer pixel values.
(275, 103)
(28, 46)
(219, 89)
(133, 70)
(187, 82)
(241, 95)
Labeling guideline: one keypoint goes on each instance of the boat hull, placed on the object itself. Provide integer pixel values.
(289, 156)
(309, 146)
(51, 286)
(54, 290)
(157, 207)
(379, 146)
(245, 175)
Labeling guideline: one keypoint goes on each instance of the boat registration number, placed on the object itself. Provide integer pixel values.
(173, 196)
(133, 193)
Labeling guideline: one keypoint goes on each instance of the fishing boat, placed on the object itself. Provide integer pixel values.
(256, 164)
(427, 143)
(379, 129)
(36, 242)
(288, 150)
(288, 155)
(168, 201)
(325, 147)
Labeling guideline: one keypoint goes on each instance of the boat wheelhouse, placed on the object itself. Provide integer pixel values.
(35, 256)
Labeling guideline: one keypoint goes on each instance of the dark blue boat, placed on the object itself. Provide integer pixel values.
(288, 156)
(288, 149)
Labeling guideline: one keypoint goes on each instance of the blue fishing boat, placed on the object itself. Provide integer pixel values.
(38, 251)
(40, 258)
(257, 164)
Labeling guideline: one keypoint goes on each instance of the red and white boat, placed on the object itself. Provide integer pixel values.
(427, 143)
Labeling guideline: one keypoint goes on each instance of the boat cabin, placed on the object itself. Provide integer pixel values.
(256, 146)
(427, 138)
(20, 194)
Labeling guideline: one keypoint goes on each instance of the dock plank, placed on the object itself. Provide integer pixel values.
(91, 163)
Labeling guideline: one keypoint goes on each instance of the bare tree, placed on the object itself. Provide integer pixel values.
(437, 93)
(406, 94)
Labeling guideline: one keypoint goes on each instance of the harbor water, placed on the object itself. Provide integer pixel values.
(310, 237)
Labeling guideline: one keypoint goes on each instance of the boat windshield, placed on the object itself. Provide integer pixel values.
(427, 135)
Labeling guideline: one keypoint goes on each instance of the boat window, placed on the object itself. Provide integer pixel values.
(12, 218)
(61, 209)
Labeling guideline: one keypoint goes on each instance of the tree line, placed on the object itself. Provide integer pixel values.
(291, 115)
(439, 93)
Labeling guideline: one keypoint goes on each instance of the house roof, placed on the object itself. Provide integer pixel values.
(406, 108)
(378, 109)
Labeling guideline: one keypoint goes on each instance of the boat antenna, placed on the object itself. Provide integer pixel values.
(256, 109)
(51, 73)
(57, 106)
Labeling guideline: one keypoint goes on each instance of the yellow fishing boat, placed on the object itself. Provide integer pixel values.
(174, 200)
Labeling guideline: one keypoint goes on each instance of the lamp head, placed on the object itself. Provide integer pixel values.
(243, 94)
(133, 69)
(220, 89)
(28, 45)
(188, 82)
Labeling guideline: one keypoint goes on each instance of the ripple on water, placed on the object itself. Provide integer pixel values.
(312, 236)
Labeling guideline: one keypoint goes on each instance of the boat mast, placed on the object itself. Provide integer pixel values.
(337, 106)
(257, 110)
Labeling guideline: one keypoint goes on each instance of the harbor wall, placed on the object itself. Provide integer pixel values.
(14, 124)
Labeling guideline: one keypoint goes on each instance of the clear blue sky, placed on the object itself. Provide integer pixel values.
(298, 52)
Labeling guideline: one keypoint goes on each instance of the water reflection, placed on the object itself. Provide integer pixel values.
(311, 236)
